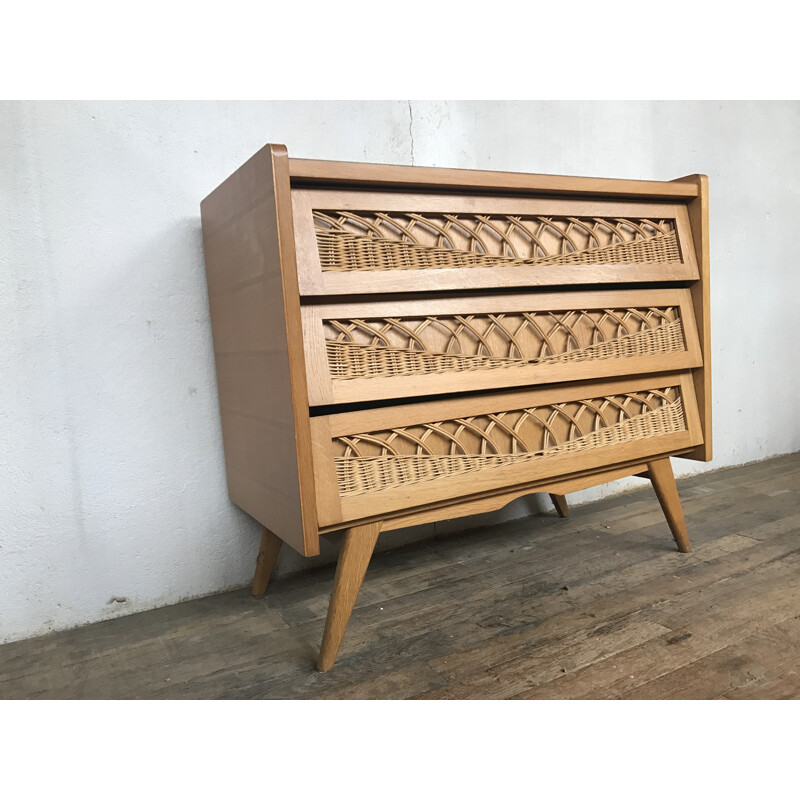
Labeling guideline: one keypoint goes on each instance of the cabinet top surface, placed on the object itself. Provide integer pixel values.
(316, 172)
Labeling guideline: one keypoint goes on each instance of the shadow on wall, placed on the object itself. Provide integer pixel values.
(142, 404)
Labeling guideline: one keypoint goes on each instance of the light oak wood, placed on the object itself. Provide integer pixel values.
(350, 173)
(357, 547)
(329, 501)
(701, 301)
(383, 358)
(248, 240)
(456, 487)
(267, 558)
(297, 373)
(483, 502)
(660, 473)
(323, 389)
(350, 422)
(560, 503)
(314, 281)
(390, 418)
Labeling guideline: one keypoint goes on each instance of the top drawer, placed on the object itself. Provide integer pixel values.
(353, 242)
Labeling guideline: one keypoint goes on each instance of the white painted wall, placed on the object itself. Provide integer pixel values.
(112, 487)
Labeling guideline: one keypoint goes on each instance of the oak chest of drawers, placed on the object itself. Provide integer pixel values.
(397, 345)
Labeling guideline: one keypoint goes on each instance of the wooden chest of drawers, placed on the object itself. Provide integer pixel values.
(396, 345)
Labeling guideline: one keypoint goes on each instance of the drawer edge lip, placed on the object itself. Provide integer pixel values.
(341, 424)
(339, 284)
(527, 380)
(530, 487)
(503, 477)
(492, 301)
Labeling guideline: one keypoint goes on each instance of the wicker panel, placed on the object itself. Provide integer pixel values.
(379, 241)
(369, 462)
(394, 347)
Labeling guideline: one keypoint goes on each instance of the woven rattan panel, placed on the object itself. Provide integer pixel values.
(402, 241)
(376, 460)
(392, 347)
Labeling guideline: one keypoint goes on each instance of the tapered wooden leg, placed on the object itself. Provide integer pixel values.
(267, 556)
(560, 502)
(359, 542)
(663, 480)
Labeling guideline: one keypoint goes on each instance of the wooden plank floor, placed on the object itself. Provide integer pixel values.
(599, 605)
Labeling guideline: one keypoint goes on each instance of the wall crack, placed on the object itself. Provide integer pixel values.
(411, 130)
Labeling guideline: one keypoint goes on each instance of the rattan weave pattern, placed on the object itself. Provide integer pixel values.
(343, 252)
(377, 241)
(378, 460)
(667, 338)
(362, 475)
(348, 360)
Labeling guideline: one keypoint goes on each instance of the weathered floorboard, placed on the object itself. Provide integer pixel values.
(598, 605)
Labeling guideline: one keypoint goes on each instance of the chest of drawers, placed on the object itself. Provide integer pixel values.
(398, 345)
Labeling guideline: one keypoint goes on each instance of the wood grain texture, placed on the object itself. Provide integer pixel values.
(344, 173)
(431, 617)
(306, 261)
(351, 422)
(455, 487)
(248, 242)
(268, 552)
(663, 479)
(324, 390)
(483, 502)
(698, 211)
(357, 547)
(560, 503)
(314, 281)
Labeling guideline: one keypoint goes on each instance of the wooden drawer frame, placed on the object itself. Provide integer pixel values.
(334, 509)
(324, 390)
(267, 288)
(314, 281)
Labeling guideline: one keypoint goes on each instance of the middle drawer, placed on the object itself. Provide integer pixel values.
(390, 348)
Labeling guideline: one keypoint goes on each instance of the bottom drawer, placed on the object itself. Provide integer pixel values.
(368, 463)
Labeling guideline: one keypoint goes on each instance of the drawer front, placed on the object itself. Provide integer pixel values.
(351, 242)
(384, 460)
(405, 348)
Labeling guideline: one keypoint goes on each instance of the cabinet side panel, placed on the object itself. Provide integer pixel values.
(701, 301)
(242, 256)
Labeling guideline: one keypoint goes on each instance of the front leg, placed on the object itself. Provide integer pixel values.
(663, 480)
(359, 542)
